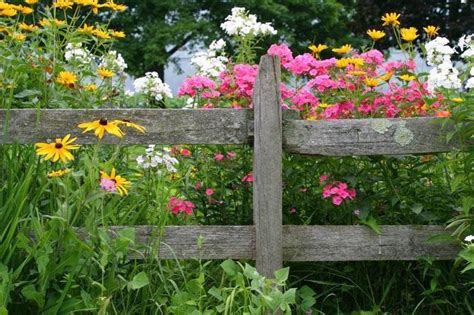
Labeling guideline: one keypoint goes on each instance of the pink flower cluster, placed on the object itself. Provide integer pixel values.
(221, 157)
(177, 206)
(337, 191)
(108, 185)
(198, 84)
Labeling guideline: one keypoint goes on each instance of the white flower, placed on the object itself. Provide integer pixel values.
(217, 45)
(470, 83)
(153, 158)
(113, 61)
(241, 23)
(75, 52)
(438, 51)
(152, 86)
(444, 76)
(469, 238)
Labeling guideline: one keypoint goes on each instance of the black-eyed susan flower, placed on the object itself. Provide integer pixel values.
(101, 34)
(102, 126)
(63, 4)
(90, 87)
(117, 34)
(431, 30)
(375, 34)
(409, 34)
(8, 12)
(58, 173)
(58, 150)
(129, 124)
(114, 6)
(67, 79)
(27, 27)
(86, 29)
(105, 73)
(344, 49)
(391, 19)
(114, 182)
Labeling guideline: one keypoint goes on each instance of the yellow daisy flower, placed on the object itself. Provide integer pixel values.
(31, 2)
(344, 49)
(431, 30)
(375, 34)
(67, 79)
(121, 184)
(317, 49)
(372, 82)
(117, 34)
(59, 150)
(391, 19)
(9, 12)
(102, 126)
(63, 4)
(105, 73)
(90, 87)
(407, 77)
(409, 34)
(101, 34)
(86, 29)
(27, 27)
(59, 173)
(129, 124)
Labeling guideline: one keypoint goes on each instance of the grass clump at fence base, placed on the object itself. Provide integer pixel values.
(58, 199)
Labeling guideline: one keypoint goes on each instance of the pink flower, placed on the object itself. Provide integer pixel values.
(281, 51)
(303, 97)
(185, 152)
(218, 156)
(108, 185)
(248, 178)
(323, 178)
(209, 192)
(301, 64)
(338, 191)
(195, 84)
(293, 210)
(198, 186)
(322, 83)
(176, 206)
(231, 155)
(337, 200)
(373, 56)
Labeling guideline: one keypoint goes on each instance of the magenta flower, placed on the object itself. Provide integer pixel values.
(248, 178)
(209, 192)
(108, 185)
(338, 192)
(177, 206)
(218, 156)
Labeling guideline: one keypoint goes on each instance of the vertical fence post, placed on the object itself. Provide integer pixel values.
(267, 167)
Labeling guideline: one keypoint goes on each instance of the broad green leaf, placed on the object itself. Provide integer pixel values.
(139, 281)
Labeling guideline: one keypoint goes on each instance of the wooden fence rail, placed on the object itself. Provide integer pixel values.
(267, 241)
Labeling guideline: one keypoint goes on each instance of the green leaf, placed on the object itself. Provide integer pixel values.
(281, 275)
(417, 208)
(139, 281)
(372, 223)
(230, 267)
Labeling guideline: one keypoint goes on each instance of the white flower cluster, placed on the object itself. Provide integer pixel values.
(469, 239)
(75, 53)
(466, 45)
(152, 86)
(443, 74)
(241, 23)
(211, 62)
(154, 158)
(113, 61)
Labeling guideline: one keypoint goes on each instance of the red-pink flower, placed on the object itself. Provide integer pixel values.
(209, 192)
(231, 155)
(338, 191)
(177, 206)
(218, 156)
(196, 84)
(248, 178)
(281, 51)
(323, 178)
(185, 152)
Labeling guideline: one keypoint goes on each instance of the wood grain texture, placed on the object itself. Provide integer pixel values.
(348, 137)
(163, 126)
(267, 167)
(300, 243)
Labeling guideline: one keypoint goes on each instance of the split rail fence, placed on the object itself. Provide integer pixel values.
(267, 241)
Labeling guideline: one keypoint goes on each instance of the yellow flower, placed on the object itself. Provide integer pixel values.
(86, 29)
(375, 35)
(114, 6)
(19, 37)
(63, 4)
(431, 30)
(105, 73)
(386, 76)
(317, 49)
(23, 9)
(59, 173)
(371, 82)
(356, 61)
(344, 49)
(90, 87)
(324, 105)
(342, 63)
(27, 27)
(102, 126)
(55, 22)
(67, 79)
(409, 34)
(407, 77)
(357, 72)
(117, 34)
(10, 12)
(58, 150)
(457, 100)
(391, 19)
(121, 183)
(129, 124)
(31, 2)
(101, 34)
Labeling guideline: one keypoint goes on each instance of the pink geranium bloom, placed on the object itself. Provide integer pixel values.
(177, 206)
(248, 178)
(218, 156)
(195, 84)
(301, 64)
(231, 155)
(373, 57)
(338, 192)
(185, 152)
(209, 192)
(281, 51)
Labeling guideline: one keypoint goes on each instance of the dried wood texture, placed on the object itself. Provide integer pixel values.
(347, 137)
(267, 167)
(300, 243)
(163, 126)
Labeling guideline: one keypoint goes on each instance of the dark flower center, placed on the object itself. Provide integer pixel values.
(103, 122)
(58, 145)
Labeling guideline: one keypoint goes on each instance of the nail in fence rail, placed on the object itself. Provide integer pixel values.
(267, 241)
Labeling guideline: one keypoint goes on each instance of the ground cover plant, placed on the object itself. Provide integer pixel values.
(53, 57)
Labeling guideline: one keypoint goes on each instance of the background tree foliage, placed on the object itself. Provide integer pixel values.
(156, 29)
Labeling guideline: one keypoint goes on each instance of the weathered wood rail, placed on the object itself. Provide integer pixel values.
(267, 241)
